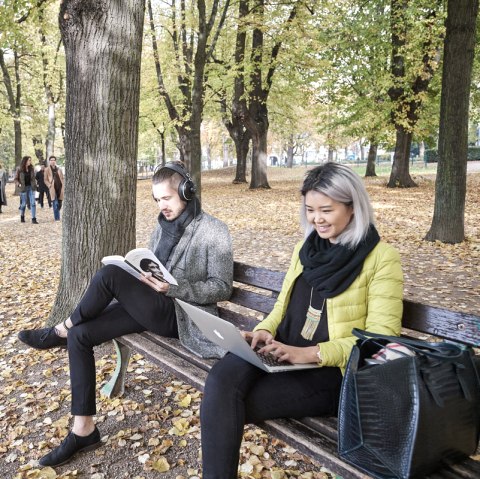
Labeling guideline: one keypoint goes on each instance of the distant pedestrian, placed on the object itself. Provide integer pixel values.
(27, 186)
(53, 178)
(3, 183)
(42, 187)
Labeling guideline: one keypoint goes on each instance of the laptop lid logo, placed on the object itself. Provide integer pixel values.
(218, 334)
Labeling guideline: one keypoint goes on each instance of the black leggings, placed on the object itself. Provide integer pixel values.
(237, 393)
(97, 320)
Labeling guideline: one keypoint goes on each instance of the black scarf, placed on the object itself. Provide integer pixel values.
(173, 230)
(331, 268)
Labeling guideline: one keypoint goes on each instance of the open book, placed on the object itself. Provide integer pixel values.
(141, 260)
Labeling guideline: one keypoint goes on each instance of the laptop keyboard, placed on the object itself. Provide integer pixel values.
(269, 359)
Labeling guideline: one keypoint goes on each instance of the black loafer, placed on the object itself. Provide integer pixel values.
(45, 338)
(70, 446)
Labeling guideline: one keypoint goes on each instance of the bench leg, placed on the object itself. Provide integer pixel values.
(116, 385)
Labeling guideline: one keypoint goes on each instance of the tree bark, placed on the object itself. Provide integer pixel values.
(450, 187)
(38, 148)
(103, 42)
(190, 81)
(407, 101)
(371, 159)
(235, 125)
(14, 102)
(400, 174)
(290, 148)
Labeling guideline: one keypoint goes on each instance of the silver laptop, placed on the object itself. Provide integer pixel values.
(227, 336)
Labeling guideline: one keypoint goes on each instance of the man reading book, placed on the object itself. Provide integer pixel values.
(195, 248)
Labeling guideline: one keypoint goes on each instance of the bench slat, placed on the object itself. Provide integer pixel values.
(259, 277)
(245, 323)
(251, 300)
(441, 322)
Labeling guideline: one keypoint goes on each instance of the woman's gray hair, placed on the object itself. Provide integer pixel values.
(341, 184)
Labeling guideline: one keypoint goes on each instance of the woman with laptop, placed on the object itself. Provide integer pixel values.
(342, 276)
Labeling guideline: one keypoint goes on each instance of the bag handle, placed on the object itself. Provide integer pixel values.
(435, 350)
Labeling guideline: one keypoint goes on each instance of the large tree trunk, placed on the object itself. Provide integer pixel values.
(371, 159)
(400, 174)
(103, 42)
(450, 187)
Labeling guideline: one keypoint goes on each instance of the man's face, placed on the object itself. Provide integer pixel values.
(53, 162)
(168, 200)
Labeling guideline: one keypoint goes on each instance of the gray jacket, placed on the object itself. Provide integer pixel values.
(202, 264)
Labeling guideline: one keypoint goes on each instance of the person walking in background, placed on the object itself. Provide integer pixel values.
(27, 186)
(3, 183)
(53, 178)
(42, 187)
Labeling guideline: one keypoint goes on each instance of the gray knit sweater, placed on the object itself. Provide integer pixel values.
(202, 264)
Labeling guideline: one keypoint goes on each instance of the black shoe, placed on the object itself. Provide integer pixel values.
(34, 221)
(70, 446)
(22, 219)
(44, 338)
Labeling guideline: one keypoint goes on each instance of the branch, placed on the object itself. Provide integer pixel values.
(219, 28)
(27, 14)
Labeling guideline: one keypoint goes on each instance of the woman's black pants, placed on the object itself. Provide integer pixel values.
(237, 393)
(96, 320)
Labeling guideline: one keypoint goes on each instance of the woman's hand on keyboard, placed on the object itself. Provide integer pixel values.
(255, 337)
(291, 354)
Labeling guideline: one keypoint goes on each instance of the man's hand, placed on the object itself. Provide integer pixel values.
(154, 283)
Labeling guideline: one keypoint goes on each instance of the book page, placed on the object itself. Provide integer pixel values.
(120, 262)
(144, 260)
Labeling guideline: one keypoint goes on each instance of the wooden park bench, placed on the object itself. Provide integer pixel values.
(255, 292)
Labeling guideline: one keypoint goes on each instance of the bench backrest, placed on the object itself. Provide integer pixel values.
(257, 289)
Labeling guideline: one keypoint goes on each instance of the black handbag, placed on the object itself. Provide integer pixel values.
(406, 417)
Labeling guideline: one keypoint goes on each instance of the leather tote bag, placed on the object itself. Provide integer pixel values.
(405, 417)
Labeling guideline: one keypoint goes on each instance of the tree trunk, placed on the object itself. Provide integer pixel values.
(101, 123)
(259, 161)
(14, 102)
(450, 187)
(241, 150)
(371, 159)
(50, 140)
(38, 148)
(17, 128)
(362, 151)
(330, 154)
(290, 147)
(400, 174)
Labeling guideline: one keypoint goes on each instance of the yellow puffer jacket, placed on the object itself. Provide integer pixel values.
(372, 302)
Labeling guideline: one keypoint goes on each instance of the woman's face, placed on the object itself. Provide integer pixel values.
(328, 217)
(29, 162)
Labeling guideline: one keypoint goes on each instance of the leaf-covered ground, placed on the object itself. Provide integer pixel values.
(154, 428)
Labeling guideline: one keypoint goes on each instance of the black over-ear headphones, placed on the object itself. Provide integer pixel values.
(186, 188)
